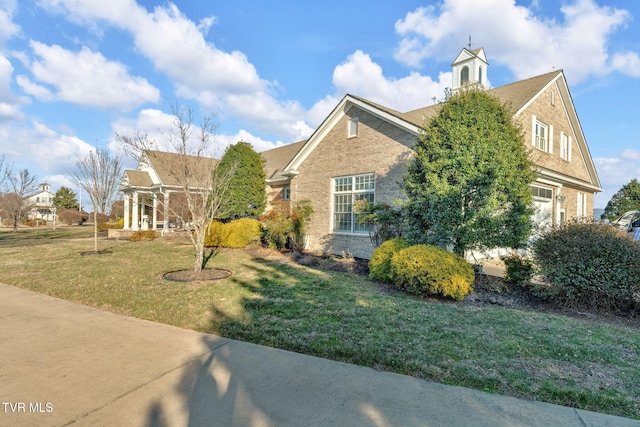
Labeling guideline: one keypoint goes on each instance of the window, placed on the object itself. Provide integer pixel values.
(541, 192)
(353, 127)
(286, 194)
(565, 147)
(582, 205)
(480, 75)
(553, 97)
(464, 75)
(346, 191)
(540, 136)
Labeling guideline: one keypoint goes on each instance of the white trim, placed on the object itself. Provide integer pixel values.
(334, 117)
(566, 179)
(550, 139)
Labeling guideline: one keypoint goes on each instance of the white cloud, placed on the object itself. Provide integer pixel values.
(84, 78)
(526, 43)
(258, 143)
(360, 76)
(614, 172)
(41, 149)
(8, 28)
(9, 103)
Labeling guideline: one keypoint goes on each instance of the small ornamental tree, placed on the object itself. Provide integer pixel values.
(14, 199)
(98, 174)
(245, 194)
(65, 198)
(626, 199)
(468, 184)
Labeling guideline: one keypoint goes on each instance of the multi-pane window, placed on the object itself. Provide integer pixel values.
(540, 137)
(348, 190)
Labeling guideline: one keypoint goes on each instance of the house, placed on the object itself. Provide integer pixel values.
(148, 190)
(361, 149)
(41, 203)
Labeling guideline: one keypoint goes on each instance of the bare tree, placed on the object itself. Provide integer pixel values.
(98, 174)
(14, 199)
(192, 170)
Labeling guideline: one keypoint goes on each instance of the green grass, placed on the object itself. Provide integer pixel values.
(340, 316)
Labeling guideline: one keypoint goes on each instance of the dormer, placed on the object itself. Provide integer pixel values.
(470, 69)
(45, 187)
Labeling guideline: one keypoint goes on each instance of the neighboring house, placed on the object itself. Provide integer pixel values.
(160, 176)
(41, 203)
(360, 151)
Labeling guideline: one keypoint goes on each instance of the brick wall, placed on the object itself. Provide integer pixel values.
(380, 148)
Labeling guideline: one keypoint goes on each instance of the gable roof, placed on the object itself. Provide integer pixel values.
(277, 158)
(517, 95)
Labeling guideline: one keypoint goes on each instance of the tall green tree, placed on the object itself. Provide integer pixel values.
(468, 183)
(65, 198)
(245, 195)
(626, 199)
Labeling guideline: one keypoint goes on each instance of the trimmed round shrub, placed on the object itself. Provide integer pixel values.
(429, 270)
(242, 233)
(380, 262)
(590, 265)
(215, 234)
(239, 233)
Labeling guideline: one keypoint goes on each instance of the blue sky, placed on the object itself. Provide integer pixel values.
(74, 72)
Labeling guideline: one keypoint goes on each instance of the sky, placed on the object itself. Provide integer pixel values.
(74, 73)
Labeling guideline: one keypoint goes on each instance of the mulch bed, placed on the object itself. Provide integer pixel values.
(206, 274)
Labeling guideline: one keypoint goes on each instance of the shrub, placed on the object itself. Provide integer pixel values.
(519, 270)
(286, 228)
(589, 265)
(143, 235)
(104, 226)
(72, 216)
(380, 262)
(429, 270)
(239, 233)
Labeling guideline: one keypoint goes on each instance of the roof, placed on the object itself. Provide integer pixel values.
(137, 178)
(518, 94)
(277, 158)
(172, 168)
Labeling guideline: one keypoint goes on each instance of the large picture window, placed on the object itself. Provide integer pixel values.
(346, 191)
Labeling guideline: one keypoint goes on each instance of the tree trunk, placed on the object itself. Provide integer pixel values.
(95, 231)
(199, 256)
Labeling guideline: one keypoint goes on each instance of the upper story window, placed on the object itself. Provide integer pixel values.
(541, 136)
(480, 77)
(346, 191)
(464, 75)
(353, 127)
(565, 147)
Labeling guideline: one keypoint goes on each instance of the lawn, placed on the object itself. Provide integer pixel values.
(582, 363)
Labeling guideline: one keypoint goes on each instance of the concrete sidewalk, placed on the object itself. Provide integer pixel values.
(63, 363)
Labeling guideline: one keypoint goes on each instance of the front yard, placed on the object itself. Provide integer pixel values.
(583, 362)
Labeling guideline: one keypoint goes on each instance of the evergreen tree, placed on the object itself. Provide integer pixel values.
(626, 199)
(65, 198)
(468, 184)
(245, 195)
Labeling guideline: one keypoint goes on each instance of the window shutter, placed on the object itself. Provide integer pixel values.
(551, 139)
(533, 130)
(569, 148)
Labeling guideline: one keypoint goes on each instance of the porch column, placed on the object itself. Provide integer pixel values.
(143, 213)
(127, 220)
(165, 224)
(135, 213)
(154, 221)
